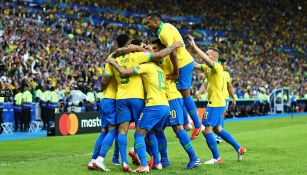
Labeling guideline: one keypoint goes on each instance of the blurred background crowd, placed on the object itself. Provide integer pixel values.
(62, 44)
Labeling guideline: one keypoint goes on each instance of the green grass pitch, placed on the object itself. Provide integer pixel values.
(275, 146)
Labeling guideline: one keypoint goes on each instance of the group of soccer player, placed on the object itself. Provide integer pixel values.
(150, 85)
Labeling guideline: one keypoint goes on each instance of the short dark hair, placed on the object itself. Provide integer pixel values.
(157, 41)
(122, 40)
(222, 60)
(136, 41)
(155, 14)
(217, 51)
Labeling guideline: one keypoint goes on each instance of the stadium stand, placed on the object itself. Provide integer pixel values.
(62, 44)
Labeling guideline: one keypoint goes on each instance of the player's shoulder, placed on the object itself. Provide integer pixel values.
(169, 26)
(226, 73)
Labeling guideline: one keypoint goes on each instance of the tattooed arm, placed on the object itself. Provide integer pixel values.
(121, 70)
(157, 56)
(128, 49)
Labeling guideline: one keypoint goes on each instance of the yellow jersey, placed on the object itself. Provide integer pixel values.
(226, 79)
(130, 86)
(154, 83)
(110, 91)
(171, 88)
(168, 34)
(215, 85)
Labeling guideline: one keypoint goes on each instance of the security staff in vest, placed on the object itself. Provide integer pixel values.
(26, 108)
(39, 93)
(17, 110)
(52, 104)
(44, 109)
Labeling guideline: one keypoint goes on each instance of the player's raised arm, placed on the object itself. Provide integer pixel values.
(162, 53)
(121, 70)
(202, 54)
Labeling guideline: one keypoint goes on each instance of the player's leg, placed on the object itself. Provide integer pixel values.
(136, 106)
(184, 86)
(109, 113)
(123, 119)
(140, 148)
(115, 159)
(97, 148)
(122, 142)
(104, 125)
(218, 138)
(176, 120)
(153, 146)
(209, 121)
(105, 147)
(162, 144)
(151, 117)
(187, 145)
(229, 139)
(186, 122)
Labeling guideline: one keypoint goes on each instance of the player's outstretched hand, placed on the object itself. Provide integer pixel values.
(191, 41)
(178, 44)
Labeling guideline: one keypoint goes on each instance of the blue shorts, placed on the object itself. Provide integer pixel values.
(153, 117)
(185, 76)
(129, 110)
(227, 104)
(213, 116)
(175, 116)
(107, 112)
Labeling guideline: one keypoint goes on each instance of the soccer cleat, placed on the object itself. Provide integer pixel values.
(141, 169)
(150, 162)
(193, 164)
(214, 161)
(165, 162)
(241, 153)
(126, 168)
(218, 139)
(115, 161)
(156, 166)
(195, 133)
(134, 157)
(90, 165)
(99, 163)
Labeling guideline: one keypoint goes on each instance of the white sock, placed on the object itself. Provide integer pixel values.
(100, 159)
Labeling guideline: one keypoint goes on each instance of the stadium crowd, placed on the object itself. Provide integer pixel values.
(53, 45)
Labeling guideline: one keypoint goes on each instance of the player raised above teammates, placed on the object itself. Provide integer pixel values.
(227, 91)
(216, 103)
(168, 34)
